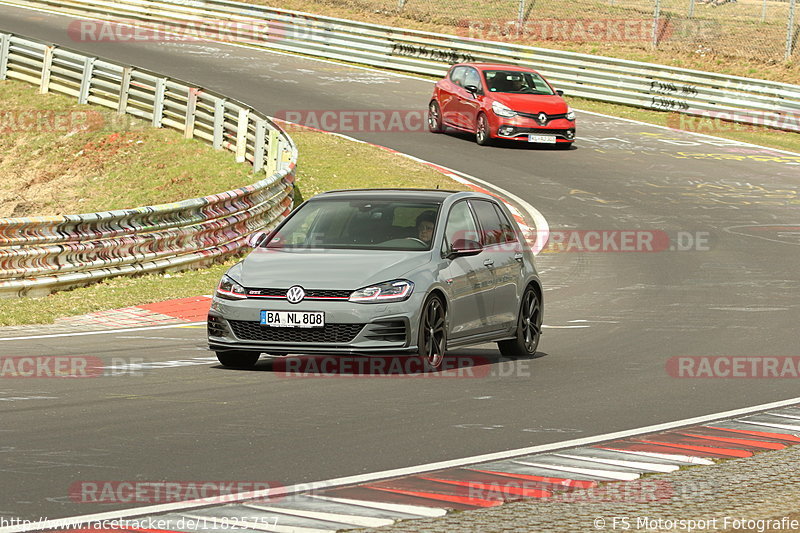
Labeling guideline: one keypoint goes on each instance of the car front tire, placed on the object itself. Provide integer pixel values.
(238, 359)
(482, 135)
(434, 117)
(432, 336)
(529, 328)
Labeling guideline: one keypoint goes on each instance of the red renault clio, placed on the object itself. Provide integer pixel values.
(496, 101)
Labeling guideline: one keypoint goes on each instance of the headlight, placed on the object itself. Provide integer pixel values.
(502, 110)
(390, 291)
(570, 114)
(230, 290)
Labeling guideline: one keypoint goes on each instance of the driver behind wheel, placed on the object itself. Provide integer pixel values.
(425, 224)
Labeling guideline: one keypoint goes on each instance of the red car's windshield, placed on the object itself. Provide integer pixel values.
(516, 82)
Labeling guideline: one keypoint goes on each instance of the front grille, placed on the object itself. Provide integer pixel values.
(535, 116)
(387, 331)
(310, 293)
(332, 333)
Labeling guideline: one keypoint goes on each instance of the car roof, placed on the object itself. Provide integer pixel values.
(389, 194)
(496, 66)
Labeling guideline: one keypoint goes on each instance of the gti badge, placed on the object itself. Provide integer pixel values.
(295, 294)
(542, 119)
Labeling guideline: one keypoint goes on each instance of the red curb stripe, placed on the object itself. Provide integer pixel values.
(463, 500)
(675, 437)
(564, 482)
(778, 436)
(495, 488)
(363, 493)
(746, 442)
(721, 452)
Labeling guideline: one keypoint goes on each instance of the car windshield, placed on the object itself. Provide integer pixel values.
(359, 224)
(513, 81)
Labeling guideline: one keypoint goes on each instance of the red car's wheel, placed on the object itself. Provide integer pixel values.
(482, 135)
(434, 117)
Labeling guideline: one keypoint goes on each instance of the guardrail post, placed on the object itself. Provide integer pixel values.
(261, 143)
(219, 123)
(241, 135)
(191, 107)
(656, 15)
(124, 87)
(47, 67)
(158, 102)
(86, 80)
(5, 42)
(273, 152)
(790, 31)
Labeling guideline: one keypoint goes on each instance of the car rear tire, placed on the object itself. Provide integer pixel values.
(529, 328)
(482, 135)
(432, 336)
(238, 359)
(435, 117)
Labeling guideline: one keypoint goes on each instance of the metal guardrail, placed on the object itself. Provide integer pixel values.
(40, 254)
(639, 84)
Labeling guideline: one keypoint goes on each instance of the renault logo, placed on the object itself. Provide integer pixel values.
(295, 294)
(542, 118)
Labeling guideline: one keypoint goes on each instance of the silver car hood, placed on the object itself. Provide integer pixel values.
(328, 269)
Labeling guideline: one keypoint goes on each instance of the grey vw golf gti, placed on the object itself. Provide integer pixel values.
(382, 272)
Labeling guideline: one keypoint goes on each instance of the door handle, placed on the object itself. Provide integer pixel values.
(488, 262)
(518, 257)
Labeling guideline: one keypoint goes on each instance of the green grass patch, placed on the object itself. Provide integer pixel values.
(59, 157)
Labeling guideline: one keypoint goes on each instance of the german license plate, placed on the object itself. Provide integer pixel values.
(549, 139)
(293, 319)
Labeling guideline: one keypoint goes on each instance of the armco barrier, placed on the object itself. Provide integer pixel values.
(40, 254)
(620, 81)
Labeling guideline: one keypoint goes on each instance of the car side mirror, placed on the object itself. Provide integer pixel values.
(257, 239)
(559, 92)
(472, 89)
(464, 248)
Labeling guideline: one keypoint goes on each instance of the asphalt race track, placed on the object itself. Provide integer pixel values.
(616, 318)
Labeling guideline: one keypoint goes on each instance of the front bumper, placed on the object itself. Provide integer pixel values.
(519, 128)
(350, 328)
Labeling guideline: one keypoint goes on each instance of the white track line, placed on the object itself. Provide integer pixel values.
(653, 467)
(397, 472)
(99, 332)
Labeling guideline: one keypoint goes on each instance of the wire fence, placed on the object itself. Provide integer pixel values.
(752, 29)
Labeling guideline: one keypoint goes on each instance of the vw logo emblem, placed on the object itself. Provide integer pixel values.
(542, 118)
(295, 294)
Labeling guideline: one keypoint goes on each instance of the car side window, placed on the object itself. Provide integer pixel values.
(460, 224)
(472, 78)
(505, 225)
(491, 227)
(457, 75)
